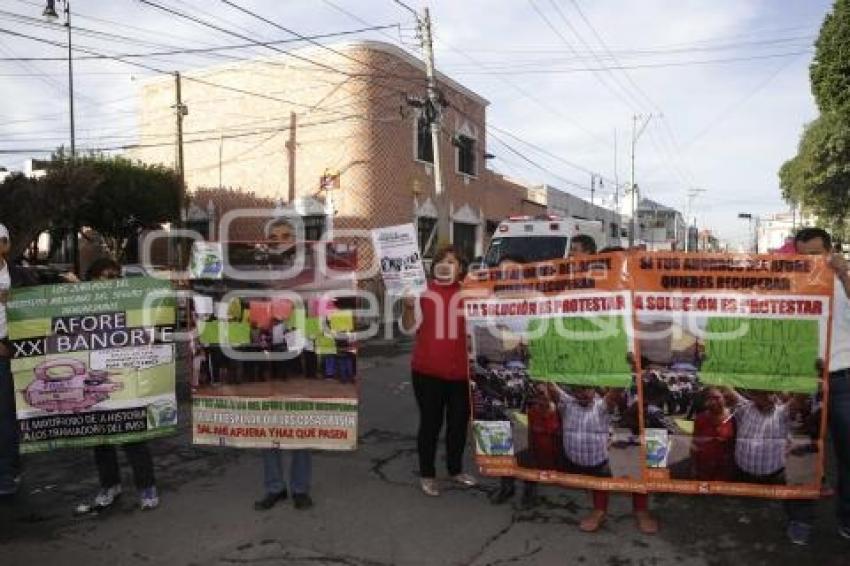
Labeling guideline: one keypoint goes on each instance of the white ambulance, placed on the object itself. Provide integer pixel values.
(538, 238)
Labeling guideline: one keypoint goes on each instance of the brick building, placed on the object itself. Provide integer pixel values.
(283, 123)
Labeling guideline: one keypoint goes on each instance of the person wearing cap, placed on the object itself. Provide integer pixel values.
(11, 276)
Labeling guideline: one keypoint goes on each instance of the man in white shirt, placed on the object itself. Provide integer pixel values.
(10, 464)
(816, 241)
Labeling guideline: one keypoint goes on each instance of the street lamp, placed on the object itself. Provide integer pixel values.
(51, 15)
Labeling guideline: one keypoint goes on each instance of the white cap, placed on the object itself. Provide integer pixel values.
(4, 232)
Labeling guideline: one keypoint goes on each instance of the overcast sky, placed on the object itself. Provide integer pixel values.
(725, 80)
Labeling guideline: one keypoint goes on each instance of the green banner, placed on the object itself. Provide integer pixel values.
(93, 363)
(588, 351)
(762, 353)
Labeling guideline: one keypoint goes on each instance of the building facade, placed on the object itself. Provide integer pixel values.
(565, 204)
(661, 227)
(339, 136)
(774, 229)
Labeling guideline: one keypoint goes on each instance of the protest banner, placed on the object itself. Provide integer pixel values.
(399, 258)
(275, 360)
(551, 372)
(93, 363)
(732, 398)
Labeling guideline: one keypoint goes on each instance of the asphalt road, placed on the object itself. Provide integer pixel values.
(369, 511)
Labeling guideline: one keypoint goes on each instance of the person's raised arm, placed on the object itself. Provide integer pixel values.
(841, 267)
(411, 314)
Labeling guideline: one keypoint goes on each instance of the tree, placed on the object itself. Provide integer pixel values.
(113, 196)
(28, 206)
(819, 175)
(830, 70)
(128, 198)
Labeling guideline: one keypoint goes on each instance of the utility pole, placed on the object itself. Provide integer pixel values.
(51, 15)
(592, 187)
(617, 210)
(180, 111)
(220, 156)
(70, 79)
(692, 194)
(442, 227)
(616, 176)
(291, 144)
(636, 132)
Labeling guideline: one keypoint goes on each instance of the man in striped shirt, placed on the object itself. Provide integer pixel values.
(763, 425)
(586, 425)
(586, 421)
(762, 439)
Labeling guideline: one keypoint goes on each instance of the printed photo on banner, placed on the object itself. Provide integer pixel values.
(552, 378)
(730, 353)
(93, 363)
(399, 258)
(275, 361)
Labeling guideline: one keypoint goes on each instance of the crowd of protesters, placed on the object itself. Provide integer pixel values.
(728, 427)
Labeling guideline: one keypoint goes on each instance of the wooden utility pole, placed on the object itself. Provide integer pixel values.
(180, 111)
(443, 226)
(290, 152)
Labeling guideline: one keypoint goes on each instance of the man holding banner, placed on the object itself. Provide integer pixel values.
(10, 277)
(282, 233)
(816, 241)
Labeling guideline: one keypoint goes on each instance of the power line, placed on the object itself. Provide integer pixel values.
(548, 153)
(235, 34)
(644, 66)
(406, 7)
(202, 50)
(537, 165)
(658, 50)
(199, 140)
(569, 46)
(300, 36)
(161, 71)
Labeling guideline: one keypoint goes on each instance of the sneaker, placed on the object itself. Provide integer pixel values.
(269, 500)
(429, 487)
(149, 498)
(104, 499)
(844, 531)
(302, 501)
(465, 480)
(799, 533)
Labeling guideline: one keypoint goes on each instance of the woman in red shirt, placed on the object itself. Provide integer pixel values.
(440, 369)
(713, 446)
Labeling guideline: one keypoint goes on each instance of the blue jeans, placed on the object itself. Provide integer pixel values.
(839, 429)
(10, 460)
(300, 471)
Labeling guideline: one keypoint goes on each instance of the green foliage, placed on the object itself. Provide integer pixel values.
(819, 175)
(127, 198)
(113, 196)
(31, 206)
(830, 70)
